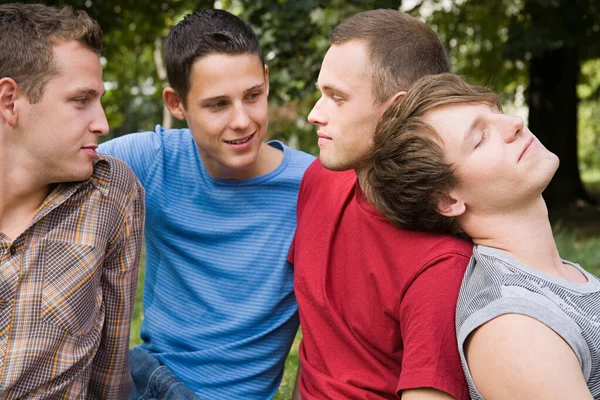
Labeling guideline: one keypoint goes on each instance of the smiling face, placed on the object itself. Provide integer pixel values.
(498, 162)
(227, 112)
(346, 114)
(58, 135)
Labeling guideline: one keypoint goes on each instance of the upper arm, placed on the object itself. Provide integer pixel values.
(138, 150)
(426, 313)
(110, 372)
(425, 394)
(514, 356)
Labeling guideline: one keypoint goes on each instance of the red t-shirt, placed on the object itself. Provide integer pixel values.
(376, 303)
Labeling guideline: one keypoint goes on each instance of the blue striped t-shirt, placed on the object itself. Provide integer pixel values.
(219, 308)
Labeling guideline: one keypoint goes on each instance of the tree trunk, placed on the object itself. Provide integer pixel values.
(552, 100)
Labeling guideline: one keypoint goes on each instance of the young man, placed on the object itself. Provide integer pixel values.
(219, 308)
(376, 302)
(71, 229)
(528, 323)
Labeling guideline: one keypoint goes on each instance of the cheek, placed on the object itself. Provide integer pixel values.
(259, 113)
(207, 124)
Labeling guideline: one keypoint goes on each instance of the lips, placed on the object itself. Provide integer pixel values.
(90, 150)
(323, 136)
(239, 141)
(526, 147)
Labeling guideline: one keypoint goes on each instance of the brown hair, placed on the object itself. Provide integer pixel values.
(203, 33)
(409, 173)
(27, 34)
(401, 49)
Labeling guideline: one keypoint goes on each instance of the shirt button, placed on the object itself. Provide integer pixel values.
(3, 303)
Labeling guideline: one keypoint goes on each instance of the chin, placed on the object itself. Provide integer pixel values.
(82, 174)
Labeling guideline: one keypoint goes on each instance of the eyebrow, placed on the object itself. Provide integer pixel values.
(222, 97)
(330, 88)
(90, 92)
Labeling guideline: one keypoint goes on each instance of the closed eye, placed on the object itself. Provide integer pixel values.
(483, 138)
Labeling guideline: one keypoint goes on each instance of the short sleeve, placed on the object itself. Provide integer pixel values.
(427, 310)
(138, 150)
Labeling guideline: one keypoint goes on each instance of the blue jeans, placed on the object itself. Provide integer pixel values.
(154, 381)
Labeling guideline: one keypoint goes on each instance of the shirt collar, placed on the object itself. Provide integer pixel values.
(101, 175)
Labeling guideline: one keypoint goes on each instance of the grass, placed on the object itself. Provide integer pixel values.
(577, 245)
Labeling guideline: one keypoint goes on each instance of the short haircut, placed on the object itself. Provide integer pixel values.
(409, 174)
(401, 49)
(203, 33)
(27, 34)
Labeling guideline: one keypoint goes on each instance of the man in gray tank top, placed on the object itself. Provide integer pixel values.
(446, 159)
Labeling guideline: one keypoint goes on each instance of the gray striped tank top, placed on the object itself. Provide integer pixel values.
(496, 284)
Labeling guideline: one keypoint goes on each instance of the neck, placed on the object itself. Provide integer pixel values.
(524, 233)
(23, 193)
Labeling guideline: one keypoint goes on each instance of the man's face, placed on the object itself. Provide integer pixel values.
(499, 163)
(346, 114)
(227, 113)
(58, 135)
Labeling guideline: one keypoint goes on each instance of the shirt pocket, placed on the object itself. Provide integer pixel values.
(72, 290)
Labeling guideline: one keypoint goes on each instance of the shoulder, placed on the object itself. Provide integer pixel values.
(144, 142)
(117, 177)
(317, 173)
(531, 358)
(294, 161)
(429, 249)
(298, 157)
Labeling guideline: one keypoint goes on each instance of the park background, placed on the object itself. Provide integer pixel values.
(541, 56)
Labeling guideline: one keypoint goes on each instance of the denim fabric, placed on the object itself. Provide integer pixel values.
(154, 381)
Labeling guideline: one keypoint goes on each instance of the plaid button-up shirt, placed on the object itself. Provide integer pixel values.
(67, 289)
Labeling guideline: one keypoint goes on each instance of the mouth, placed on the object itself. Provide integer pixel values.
(527, 145)
(240, 141)
(323, 136)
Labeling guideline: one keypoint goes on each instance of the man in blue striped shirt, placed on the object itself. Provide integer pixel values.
(219, 309)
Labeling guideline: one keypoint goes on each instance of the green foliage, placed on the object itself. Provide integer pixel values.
(589, 119)
(490, 42)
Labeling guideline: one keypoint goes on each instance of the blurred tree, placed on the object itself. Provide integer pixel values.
(511, 45)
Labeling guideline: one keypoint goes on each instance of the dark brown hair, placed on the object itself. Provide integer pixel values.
(27, 34)
(203, 33)
(409, 174)
(401, 49)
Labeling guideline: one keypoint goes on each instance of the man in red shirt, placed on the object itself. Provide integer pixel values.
(376, 302)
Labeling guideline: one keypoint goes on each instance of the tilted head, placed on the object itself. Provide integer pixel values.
(28, 33)
(201, 34)
(375, 56)
(446, 151)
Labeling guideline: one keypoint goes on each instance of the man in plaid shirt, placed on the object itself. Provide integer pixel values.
(71, 229)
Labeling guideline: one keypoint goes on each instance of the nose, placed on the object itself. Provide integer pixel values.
(316, 115)
(240, 120)
(514, 126)
(100, 124)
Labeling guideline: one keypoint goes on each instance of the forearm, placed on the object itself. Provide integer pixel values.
(296, 393)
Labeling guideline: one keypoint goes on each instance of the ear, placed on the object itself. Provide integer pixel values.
(396, 97)
(451, 206)
(9, 92)
(267, 78)
(174, 103)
